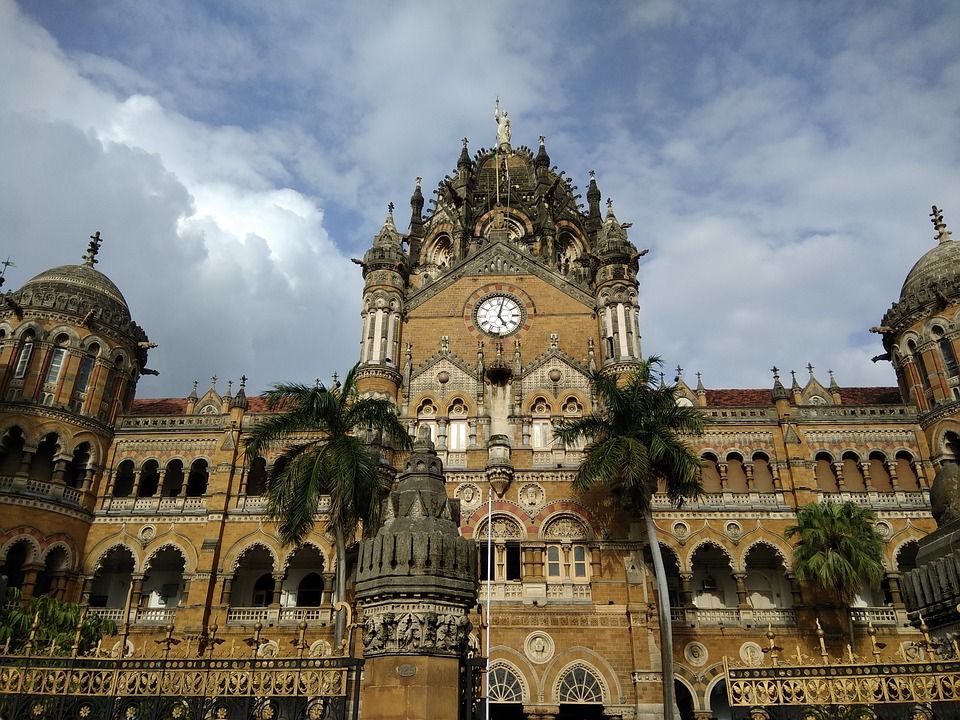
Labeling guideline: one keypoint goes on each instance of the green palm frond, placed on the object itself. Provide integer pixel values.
(637, 438)
(838, 549)
(322, 433)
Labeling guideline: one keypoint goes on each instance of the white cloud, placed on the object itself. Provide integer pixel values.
(779, 163)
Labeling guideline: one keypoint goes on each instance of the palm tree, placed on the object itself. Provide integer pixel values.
(839, 549)
(636, 437)
(323, 435)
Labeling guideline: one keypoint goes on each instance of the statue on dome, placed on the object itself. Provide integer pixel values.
(503, 126)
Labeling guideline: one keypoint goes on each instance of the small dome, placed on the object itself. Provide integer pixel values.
(938, 267)
(78, 289)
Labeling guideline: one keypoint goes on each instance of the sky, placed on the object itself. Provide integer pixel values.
(779, 160)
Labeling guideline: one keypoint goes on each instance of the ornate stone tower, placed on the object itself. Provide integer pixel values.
(921, 334)
(416, 583)
(70, 358)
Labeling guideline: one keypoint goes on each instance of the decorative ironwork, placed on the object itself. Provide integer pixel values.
(180, 679)
(929, 678)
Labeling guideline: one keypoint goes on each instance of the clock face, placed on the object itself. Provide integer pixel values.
(499, 315)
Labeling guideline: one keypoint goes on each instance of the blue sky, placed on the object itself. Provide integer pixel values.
(778, 159)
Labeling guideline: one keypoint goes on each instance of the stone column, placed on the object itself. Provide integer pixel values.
(277, 589)
(227, 591)
(740, 578)
(413, 651)
(30, 573)
(893, 580)
(686, 590)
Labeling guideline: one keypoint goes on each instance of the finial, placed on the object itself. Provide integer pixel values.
(593, 176)
(336, 380)
(6, 263)
(543, 141)
(810, 369)
(936, 215)
(679, 373)
(793, 374)
(90, 259)
(317, 384)
(465, 141)
(243, 381)
(390, 208)
(418, 180)
(213, 382)
(229, 387)
(776, 372)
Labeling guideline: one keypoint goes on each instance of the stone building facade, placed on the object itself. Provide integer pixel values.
(482, 322)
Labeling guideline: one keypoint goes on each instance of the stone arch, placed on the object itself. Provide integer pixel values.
(60, 545)
(564, 525)
(324, 555)
(680, 676)
(71, 339)
(31, 328)
(163, 546)
(13, 439)
(439, 251)
(571, 507)
(900, 548)
(33, 554)
(511, 216)
(522, 683)
(578, 682)
(692, 550)
(505, 527)
(101, 555)
(711, 678)
(238, 554)
(784, 555)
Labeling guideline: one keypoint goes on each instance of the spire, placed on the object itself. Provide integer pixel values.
(593, 201)
(388, 235)
(90, 259)
(193, 393)
(936, 216)
(240, 401)
(542, 160)
(416, 211)
(463, 162)
(795, 386)
(779, 391)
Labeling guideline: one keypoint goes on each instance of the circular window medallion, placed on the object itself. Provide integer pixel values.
(733, 530)
(696, 654)
(539, 647)
(681, 530)
(751, 654)
(406, 670)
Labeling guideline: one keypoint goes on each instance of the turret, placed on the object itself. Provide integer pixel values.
(385, 275)
(616, 289)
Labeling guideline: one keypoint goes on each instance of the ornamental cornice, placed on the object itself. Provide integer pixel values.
(379, 371)
(61, 415)
(105, 327)
(46, 506)
(498, 258)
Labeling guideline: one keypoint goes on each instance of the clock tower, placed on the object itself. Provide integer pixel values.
(483, 323)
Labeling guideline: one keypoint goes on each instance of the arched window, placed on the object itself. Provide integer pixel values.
(580, 685)
(149, 479)
(42, 466)
(906, 475)
(11, 451)
(123, 481)
(505, 686)
(710, 474)
(257, 479)
(762, 474)
(77, 468)
(852, 475)
(879, 475)
(736, 476)
(23, 359)
(57, 358)
(173, 479)
(310, 591)
(826, 478)
(263, 591)
(197, 481)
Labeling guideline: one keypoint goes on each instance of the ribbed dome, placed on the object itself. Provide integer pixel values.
(76, 288)
(937, 265)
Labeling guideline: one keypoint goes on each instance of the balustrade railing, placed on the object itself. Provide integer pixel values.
(875, 615)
